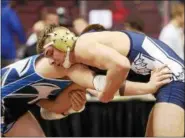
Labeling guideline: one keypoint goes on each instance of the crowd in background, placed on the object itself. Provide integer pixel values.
(172, 33)
(13, 49)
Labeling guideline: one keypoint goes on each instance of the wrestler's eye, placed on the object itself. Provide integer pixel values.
(48, 52)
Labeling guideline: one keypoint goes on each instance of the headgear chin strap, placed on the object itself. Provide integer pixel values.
(67, 63)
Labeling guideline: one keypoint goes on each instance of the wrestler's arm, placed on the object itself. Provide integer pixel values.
(81, 75)
(159, 77)
(117, 67)
(135, 88)
(78, 73)
(62, 102)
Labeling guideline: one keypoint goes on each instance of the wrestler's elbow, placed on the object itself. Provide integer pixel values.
(123, 66)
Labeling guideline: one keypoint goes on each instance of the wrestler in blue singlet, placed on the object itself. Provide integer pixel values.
(148, 53)
(22, 87)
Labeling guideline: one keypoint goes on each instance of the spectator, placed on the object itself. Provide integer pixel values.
(172, 34)
(31, 50)
(134, 24)
(79, 25)
(50, 18)
(11, 25)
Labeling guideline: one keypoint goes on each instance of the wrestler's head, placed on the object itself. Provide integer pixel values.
(57, 42)
(177, 14)
(93, 27)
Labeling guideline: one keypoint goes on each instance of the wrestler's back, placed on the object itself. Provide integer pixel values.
(145, 53)
(113, 39)
(148, 53)
(21, 87)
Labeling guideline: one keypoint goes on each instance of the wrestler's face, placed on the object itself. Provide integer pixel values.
(56, 56)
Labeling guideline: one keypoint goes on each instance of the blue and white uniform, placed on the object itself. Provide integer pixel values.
(22, 87)
(147, 53)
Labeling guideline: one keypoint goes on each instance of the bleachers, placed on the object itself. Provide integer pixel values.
(147, 10)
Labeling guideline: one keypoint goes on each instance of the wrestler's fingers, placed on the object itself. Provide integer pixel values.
(164, 71)
(166, 76)
(82, 95)
(75, 105)
(93, 92)
(75, 96)
(81, 99)
(162, 67)
(166, 81)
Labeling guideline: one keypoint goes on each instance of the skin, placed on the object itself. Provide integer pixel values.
(79, 25)
(31, 125)
(166, 119)
(73, 96)
(113, 58)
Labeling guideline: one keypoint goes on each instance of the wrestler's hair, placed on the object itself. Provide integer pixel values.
(177, 9)
(44, 35)
(135, 23)
(93, 27)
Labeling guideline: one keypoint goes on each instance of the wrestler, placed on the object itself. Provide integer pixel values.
(32, 81)
(117, 52)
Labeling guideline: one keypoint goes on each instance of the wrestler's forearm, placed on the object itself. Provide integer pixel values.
(114, 80)
(62, 103)
(135, 88)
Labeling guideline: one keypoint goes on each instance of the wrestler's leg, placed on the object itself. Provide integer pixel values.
(62, 103)
(166, 119)
(26, 126)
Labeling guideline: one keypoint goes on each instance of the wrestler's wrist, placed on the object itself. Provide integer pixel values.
(150, 88)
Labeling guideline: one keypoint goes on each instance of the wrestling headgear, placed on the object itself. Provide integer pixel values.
(64, 41)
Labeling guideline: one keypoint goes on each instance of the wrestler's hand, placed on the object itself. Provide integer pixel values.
(104, 98)
(78, 99)
(159, 77)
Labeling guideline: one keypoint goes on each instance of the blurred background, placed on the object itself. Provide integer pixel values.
(22, 21)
